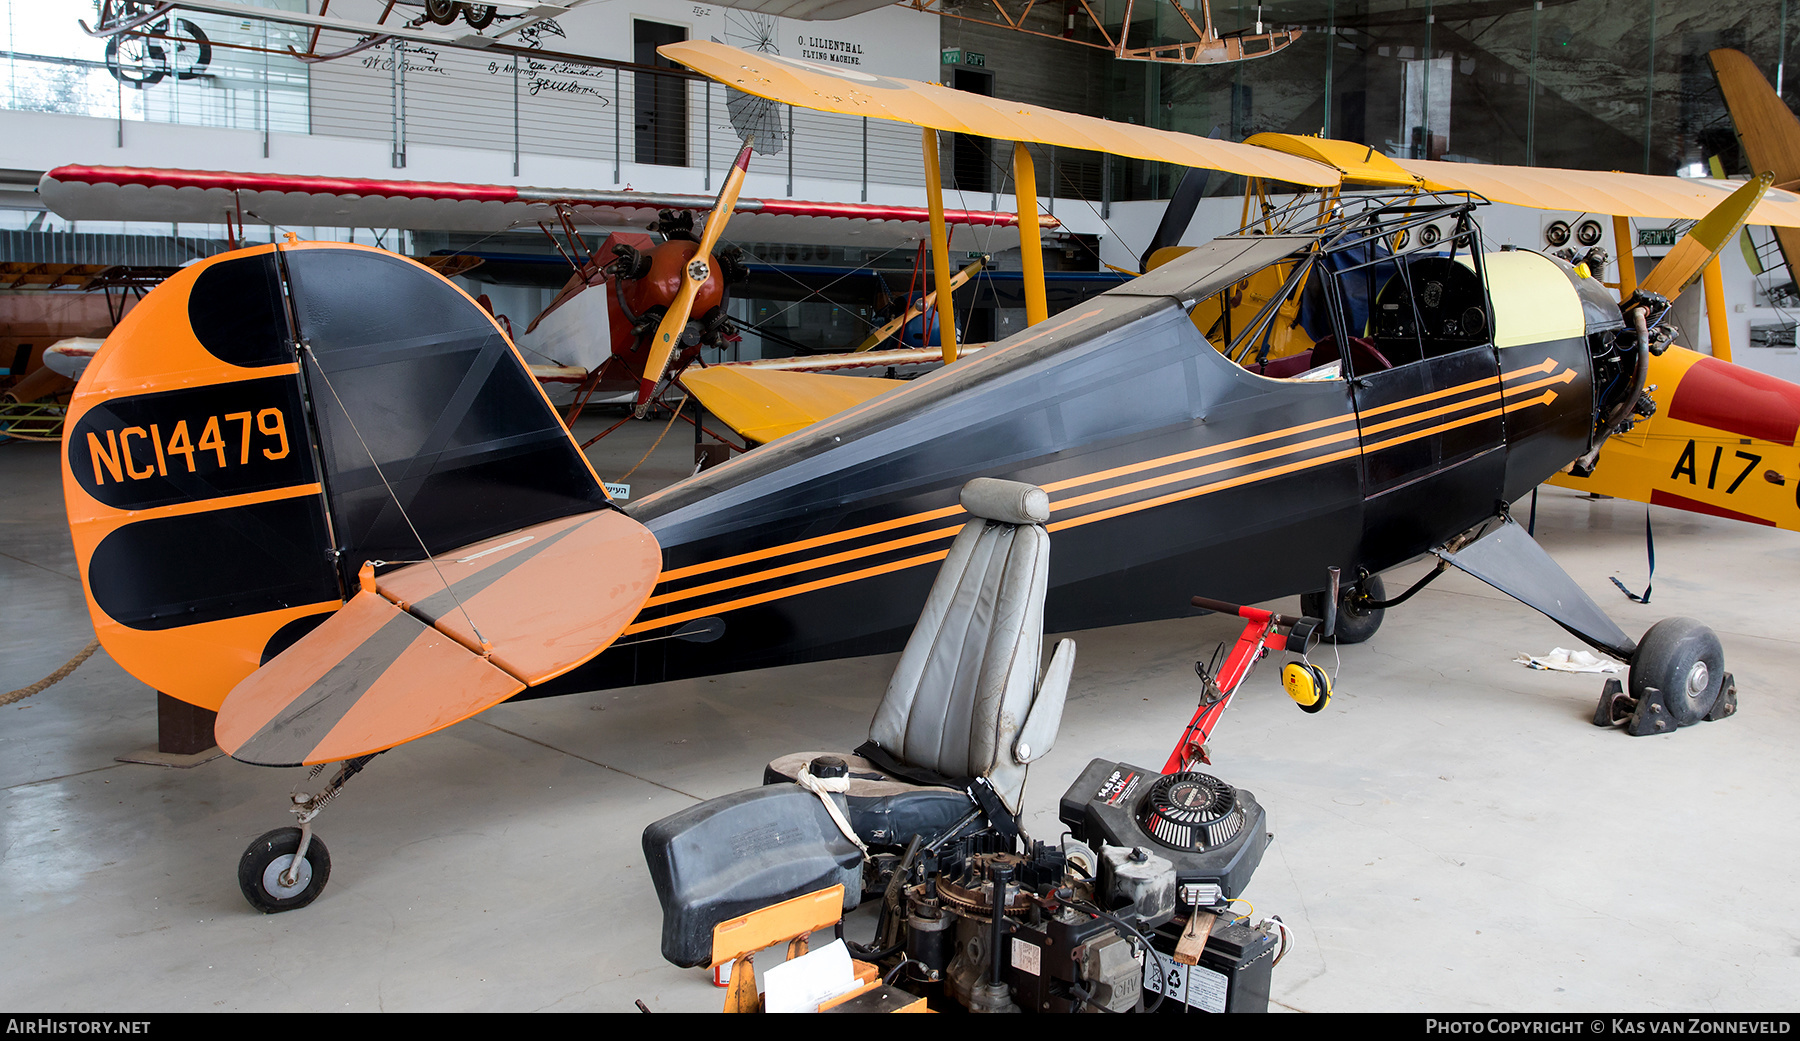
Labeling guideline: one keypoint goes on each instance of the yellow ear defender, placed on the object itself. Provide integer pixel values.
(1307, 684)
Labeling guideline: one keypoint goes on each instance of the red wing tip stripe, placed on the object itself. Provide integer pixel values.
(254, 182)
(224, 180)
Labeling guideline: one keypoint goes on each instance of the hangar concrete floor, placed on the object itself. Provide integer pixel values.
(1451, 833)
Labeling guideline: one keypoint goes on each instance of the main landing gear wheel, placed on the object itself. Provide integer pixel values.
(263, 872)
(1356, 621)
(1683, 659)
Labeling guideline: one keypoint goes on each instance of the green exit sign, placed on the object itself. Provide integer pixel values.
(1656, 236)
(953, 56)
(958, 56)
(977, 60)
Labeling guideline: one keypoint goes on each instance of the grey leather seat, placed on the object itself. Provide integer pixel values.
(968, 699)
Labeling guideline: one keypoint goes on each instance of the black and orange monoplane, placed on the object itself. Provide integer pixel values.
(314, 486)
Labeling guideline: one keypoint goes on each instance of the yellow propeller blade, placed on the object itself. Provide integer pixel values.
(894, 324)
(1684, 263)
(693, 276)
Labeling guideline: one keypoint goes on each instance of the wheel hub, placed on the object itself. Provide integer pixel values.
(1697, 678)
(272, 880)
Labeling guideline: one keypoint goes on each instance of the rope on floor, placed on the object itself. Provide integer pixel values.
(659, 439)
(56, 677)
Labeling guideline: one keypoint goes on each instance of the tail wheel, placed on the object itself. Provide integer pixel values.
(265, 877)
(479, 16)
(1356, 621)
(1683, 659)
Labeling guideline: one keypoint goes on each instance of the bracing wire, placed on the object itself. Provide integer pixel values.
(820, 292)
(448, 588)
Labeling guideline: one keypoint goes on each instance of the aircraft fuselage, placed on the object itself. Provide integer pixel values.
(1171, 471)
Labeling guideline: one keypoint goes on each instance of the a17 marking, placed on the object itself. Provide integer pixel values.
(1689, 458)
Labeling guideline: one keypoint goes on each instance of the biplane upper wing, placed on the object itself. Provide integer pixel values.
(1594, 191)
(939, 107)
(209, 196)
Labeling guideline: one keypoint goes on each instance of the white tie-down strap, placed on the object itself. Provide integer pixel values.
(823, 787)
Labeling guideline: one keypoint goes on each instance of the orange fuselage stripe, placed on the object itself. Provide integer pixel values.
(723, 563)
(945, 532)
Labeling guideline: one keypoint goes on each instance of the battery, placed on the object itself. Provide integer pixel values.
(1233, 974)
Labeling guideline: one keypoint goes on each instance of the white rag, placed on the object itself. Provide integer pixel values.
(823, 787)
(1561, 659)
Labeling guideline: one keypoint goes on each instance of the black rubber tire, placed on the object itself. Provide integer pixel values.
(443, 12)
(1354, 624)
(1666, 659)
(479, 16)
(254, 865)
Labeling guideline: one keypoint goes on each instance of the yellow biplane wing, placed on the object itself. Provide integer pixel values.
(764, 404)
(1594, 191)
(937, 107)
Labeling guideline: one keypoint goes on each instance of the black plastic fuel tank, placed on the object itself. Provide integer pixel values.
(732, 855)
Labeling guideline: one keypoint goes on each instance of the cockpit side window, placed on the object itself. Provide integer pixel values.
(1416, 303)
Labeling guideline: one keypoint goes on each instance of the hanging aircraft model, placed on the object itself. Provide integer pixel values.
(1105, 29)
(266, 527)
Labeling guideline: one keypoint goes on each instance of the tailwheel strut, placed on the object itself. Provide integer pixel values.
(287, 868)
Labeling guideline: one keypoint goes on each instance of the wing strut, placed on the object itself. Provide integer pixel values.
(1511, 561)
(940, 244)
(1031, 239)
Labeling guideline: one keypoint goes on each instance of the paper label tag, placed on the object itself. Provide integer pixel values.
(1206, 989)
(621, 492)
(1192, 985)
(1027, 957)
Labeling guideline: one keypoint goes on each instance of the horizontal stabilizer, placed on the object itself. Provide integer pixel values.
(763, 405)
(544, 599)
(1510, 560)
(368, 678)
(433, 643)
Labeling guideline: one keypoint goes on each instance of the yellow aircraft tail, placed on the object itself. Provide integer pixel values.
(1766, 128)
